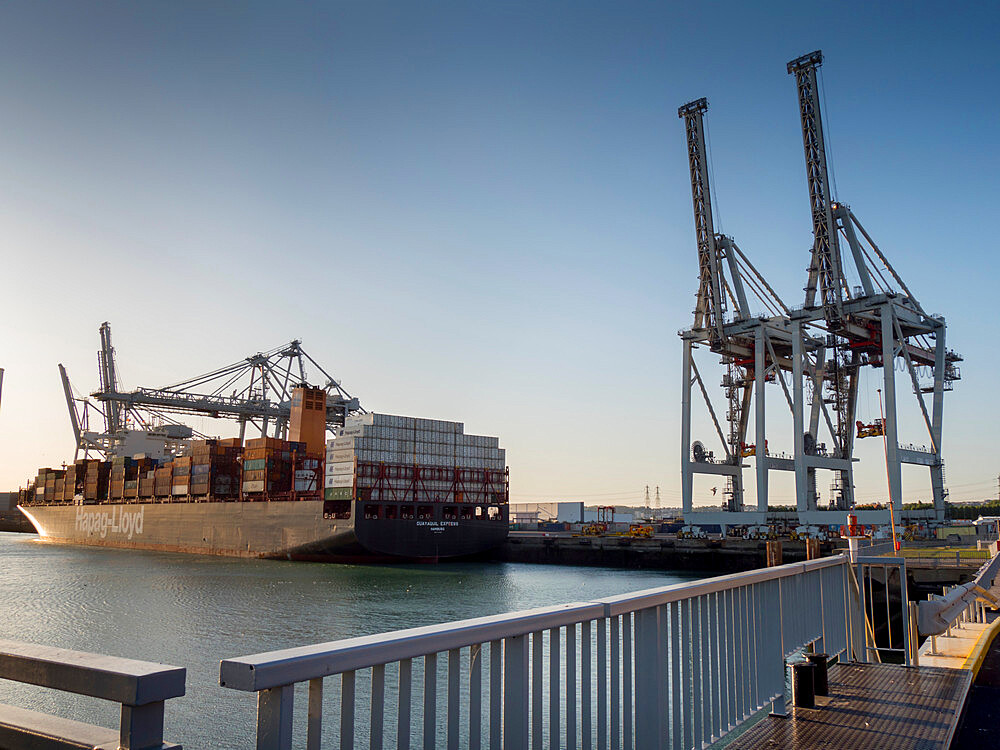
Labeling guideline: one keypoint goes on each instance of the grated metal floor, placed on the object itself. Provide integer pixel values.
(876, 706)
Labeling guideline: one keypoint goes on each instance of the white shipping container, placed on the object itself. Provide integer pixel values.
(360, 419)
(340, 480)
(254, 486)
(343, 443)
(336, 457)
(344, 467)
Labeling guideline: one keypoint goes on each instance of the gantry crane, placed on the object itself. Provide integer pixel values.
(855, 316)
(254, 391)
(871, 323)
(754, 349)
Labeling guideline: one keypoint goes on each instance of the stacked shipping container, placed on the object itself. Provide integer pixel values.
(215, 467)
(125, 472)
(49, 485)
(274, 467)
(383, 457)
(267, 466)
(95, 483)
(375, 457)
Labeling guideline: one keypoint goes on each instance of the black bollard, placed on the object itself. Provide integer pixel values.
(821, 686)
(803, 688)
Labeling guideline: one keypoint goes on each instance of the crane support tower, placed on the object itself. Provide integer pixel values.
(854, 316)
(752, 348)
(255, 391)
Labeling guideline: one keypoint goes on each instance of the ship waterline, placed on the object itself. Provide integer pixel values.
(295, 530)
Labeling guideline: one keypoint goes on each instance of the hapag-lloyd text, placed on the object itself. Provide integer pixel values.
(118, 521)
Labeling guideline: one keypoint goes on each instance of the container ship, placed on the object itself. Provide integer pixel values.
(384, 488)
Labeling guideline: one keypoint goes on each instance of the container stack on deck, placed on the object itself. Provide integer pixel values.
(147, 482)
(47, 482)
(125, 473)
(71, 485)
(375, 457)
(162, 481)
(383, 457)
(215, 468)
(267, 466)
(95, 486)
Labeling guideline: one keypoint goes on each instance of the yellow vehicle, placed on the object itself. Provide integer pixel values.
(594, 529)
(875, 429)
(639, 531)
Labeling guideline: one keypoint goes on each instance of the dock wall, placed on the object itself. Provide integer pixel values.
(711, 555)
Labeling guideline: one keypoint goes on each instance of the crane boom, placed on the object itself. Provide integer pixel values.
(257, 388)
(74, 420)
(710, 309)
(825, 274)
(109, 379)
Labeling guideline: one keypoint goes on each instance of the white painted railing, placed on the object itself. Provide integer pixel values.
(965, 602)
(141, 687)
(675, 667)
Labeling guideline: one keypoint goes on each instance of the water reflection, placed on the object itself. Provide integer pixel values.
(192, 611)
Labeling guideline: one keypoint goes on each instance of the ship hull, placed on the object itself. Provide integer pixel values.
(296, 530)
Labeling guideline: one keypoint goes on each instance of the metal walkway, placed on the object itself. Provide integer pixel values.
(877, 706)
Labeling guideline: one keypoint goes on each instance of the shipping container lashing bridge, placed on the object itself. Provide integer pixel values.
(255, 391)
(858, 314)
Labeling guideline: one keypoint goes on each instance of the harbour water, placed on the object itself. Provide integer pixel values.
(192, 611)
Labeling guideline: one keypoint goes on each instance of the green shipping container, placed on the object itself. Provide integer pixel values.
(337, 493)
(256, 464)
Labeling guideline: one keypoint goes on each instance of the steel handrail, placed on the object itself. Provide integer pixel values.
(140, 687)
(620, 604)
(962, 602)
(274, 668)
(692, 660)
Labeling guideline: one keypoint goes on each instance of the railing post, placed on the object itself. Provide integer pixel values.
(515, 693)
(142, 726)
(909, 614)
(772, 619)
(274, 718)
(314, 731)
(650, 679)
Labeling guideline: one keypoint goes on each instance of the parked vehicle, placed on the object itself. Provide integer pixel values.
(692, 532)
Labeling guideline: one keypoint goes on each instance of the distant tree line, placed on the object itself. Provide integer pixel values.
(988, 508)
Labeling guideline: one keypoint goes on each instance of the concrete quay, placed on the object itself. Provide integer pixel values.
(663, 552)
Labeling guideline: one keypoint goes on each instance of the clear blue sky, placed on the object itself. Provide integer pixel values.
(475, 211)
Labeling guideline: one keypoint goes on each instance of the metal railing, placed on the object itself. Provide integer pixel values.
(933, 562)
(677, 666)
(140, 687)
(878, 593)
(965, 602)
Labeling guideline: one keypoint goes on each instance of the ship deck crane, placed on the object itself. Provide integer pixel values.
(254, 391)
